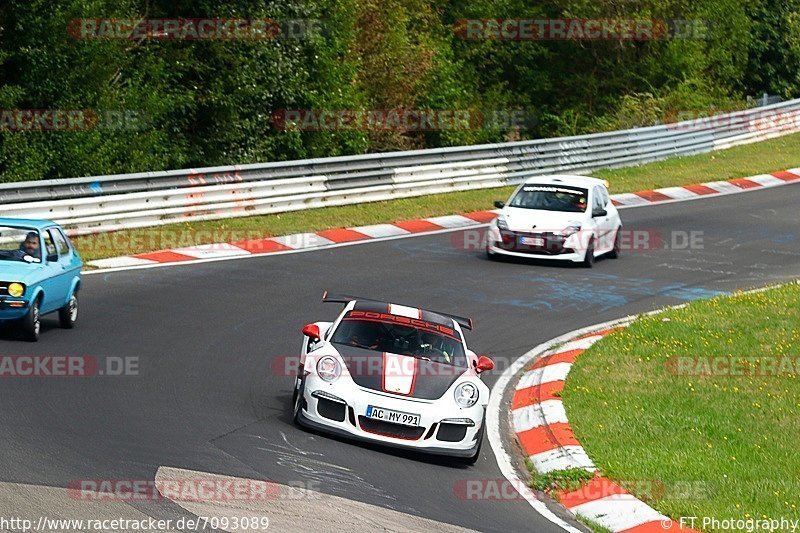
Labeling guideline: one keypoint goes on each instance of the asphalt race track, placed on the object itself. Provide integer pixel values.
(209, 397)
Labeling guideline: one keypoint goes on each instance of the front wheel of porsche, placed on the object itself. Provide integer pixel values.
(471, 460)
(298, 399)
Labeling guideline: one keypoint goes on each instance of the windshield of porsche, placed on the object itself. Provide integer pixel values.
(384, 332)
(551, 198)
(19, 244)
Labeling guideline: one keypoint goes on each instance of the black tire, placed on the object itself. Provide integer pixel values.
(588, 260)
(615, 252)
(32, 322)
(297, 402)
(474, 458)
(68, 315)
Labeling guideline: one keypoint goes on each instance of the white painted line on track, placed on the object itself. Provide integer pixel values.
(767, 180)
(202, 251)
(678, 192)
(723, 187)
(540, 414)
(561, 459)
(619, 512)
(380, 231)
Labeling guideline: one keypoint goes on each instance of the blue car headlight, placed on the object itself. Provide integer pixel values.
(16, 289)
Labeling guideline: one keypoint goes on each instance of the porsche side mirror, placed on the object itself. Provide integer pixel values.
(52, 258)
(499, 205)
(484, 364)
(312, 331)
(600, 212)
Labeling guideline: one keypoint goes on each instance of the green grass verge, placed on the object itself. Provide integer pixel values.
(655, 414)
(567, 480)
(559, 480)
(591, 524)
(767, 156)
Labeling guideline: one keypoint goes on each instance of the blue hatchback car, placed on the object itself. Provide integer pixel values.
(40, 273)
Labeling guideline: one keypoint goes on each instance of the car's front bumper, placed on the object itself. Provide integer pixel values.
(12, 308)
(573, 256)
(350, 421)
(555, 248)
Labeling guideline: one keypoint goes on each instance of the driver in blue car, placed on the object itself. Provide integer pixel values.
(30, 246)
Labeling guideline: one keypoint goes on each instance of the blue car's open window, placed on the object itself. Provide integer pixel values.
(19, 244)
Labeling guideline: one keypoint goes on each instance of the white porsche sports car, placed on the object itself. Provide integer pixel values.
(564, 217)
(393, 374)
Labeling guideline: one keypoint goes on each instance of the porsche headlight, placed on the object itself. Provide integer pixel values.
(16, 289)
(466, 394)
(328, 368)
(501, 222)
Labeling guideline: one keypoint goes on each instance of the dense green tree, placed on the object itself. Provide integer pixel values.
(151, 104)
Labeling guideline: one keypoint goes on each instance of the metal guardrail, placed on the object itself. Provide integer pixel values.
(105, 203)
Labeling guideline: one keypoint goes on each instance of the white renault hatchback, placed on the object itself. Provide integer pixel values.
(564, 217)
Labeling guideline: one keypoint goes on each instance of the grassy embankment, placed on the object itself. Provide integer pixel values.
(697, 408)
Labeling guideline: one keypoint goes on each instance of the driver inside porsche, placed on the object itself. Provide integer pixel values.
(365, 335)
(432, 347)
(402, 339)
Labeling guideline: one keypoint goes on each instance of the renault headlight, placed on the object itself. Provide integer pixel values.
(328, 368)
(16, 289)
(571, 230)
(501, 222)
(466, 394)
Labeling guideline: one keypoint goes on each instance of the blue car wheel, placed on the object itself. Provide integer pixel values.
(68, 315)
(31, 322)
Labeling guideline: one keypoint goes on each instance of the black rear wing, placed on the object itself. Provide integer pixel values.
(346, 298)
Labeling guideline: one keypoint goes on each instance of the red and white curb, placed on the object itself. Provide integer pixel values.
(338, 237)
(543, 432)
